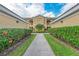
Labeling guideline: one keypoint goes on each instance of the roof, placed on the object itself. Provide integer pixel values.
(69, 12)
(10, 13)
(37, 16)
(48, 18)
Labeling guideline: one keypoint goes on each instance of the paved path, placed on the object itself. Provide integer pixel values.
(39, 47)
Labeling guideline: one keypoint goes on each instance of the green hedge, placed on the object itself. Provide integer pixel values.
(10, 36)
(68, 34)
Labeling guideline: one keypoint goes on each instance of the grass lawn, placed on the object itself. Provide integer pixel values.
(60, 49)
(21, 49)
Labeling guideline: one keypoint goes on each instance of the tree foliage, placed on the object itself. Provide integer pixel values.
(39, 27)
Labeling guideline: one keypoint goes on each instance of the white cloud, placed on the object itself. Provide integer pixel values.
(31, 10)
(49, 14)
(67, 7)
(35, 9)
(28, 9)
(14, 7)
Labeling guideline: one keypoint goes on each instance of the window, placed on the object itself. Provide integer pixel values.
(61, 21)
(17, 21)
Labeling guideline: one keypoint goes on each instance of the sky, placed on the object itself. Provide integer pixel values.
(27, 10)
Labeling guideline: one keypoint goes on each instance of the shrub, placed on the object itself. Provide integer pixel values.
(69, 34)
(39, 28)
(11, 36)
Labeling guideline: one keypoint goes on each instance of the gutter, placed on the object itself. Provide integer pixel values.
(10, 13)
(69, 12)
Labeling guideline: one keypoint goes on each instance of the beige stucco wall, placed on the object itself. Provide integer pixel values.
(39, 20)
(28, 24)
(7, 21)
(72, 20)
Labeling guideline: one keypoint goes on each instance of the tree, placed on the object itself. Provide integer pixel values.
(40, 27)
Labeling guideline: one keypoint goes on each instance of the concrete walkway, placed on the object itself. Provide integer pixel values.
(39, 47)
